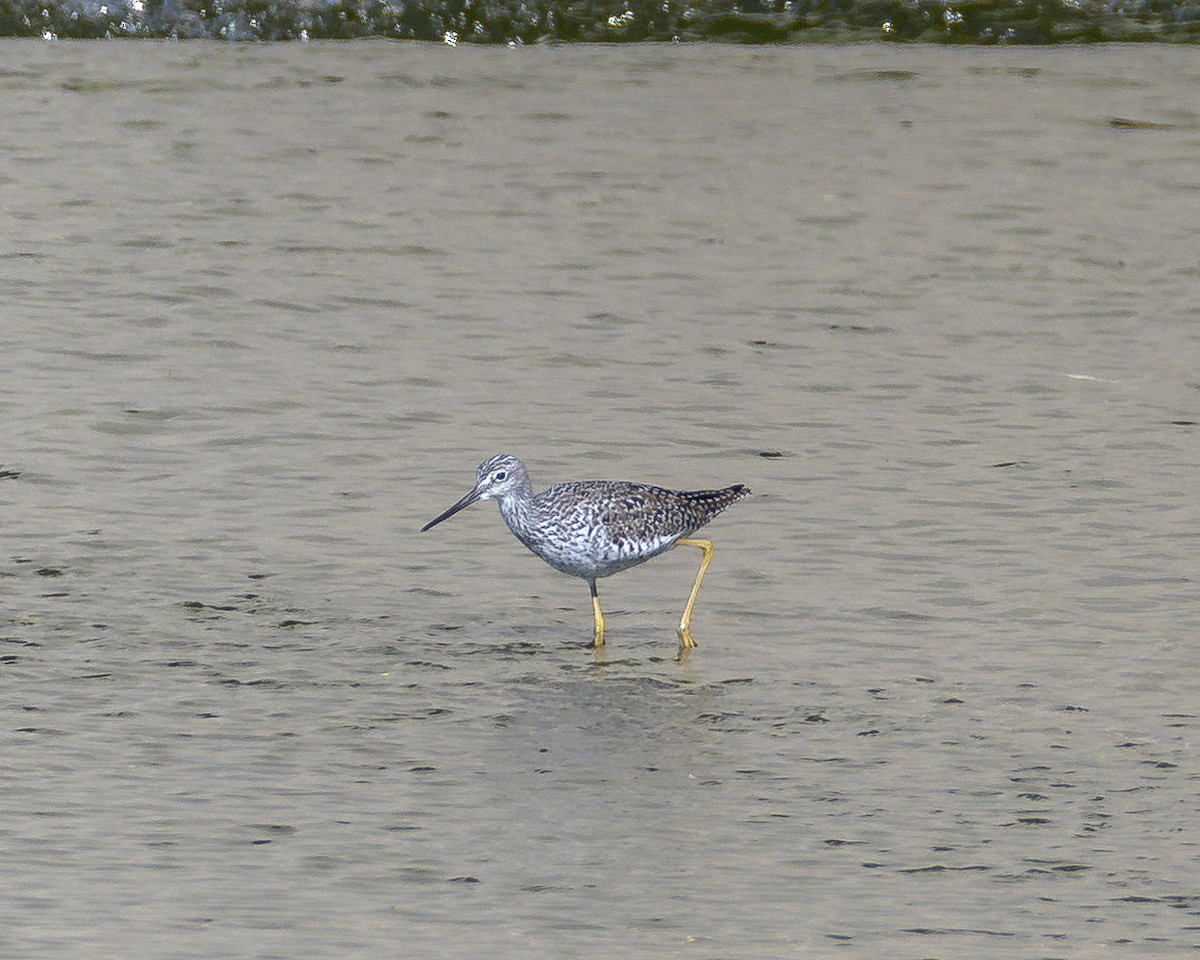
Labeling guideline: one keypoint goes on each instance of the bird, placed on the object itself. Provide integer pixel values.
(594, 528)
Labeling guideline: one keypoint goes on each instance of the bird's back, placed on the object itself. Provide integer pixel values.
(595, 528)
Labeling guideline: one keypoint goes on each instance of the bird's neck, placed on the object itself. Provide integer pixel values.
(517, 509)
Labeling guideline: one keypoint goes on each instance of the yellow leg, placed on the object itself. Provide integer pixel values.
(599, 638)
(685, 633)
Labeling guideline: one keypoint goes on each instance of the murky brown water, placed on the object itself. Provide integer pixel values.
(264, 309)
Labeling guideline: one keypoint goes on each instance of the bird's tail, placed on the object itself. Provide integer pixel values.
(713, 502)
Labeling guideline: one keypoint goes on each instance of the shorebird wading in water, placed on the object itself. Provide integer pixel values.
(595, 528)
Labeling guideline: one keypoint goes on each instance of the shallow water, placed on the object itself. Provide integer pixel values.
(266, 308)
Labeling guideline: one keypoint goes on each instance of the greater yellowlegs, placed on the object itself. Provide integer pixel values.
(595, 528)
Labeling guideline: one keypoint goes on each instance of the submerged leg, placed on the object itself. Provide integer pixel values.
(685, 633)
(599, 638)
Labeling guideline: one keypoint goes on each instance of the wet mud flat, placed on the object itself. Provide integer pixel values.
(266, 305)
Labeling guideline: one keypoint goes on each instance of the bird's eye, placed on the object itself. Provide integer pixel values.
(500, 476)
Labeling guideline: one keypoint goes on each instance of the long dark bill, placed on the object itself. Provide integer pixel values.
(466, 501)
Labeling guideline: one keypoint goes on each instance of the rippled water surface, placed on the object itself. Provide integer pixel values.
(264, 309)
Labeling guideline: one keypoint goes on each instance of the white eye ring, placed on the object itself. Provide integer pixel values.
(500, 476)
